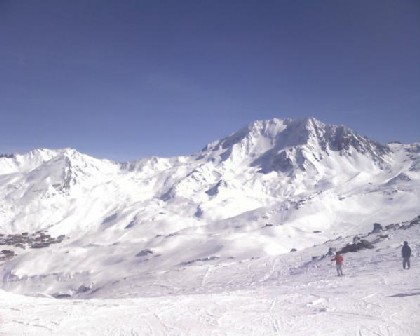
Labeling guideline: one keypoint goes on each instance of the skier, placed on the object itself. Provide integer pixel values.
(338, 263)
(406, 254)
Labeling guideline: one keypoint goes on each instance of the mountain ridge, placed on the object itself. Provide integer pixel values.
(271, 187)
(265, 163)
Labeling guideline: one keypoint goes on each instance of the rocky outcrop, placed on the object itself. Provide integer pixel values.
(354, 247)
(7, 156)
(144, 253)
(7, 254)
(379, 233)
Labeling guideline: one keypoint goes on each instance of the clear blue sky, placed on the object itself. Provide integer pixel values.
(127, 79)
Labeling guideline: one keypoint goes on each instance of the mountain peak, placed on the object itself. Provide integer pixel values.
(25, 162)
(285, 141)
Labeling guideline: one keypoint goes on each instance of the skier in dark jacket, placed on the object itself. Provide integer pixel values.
(406, 254)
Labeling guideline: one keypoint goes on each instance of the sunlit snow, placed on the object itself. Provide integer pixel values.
(201, 244)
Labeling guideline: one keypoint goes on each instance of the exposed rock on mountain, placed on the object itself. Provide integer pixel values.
(285, 145)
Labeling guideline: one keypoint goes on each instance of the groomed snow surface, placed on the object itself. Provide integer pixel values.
(297, 293)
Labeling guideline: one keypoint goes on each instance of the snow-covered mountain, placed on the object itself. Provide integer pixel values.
(273, 186)
(293, 294)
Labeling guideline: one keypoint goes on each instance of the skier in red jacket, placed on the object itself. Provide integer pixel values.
(338, 263)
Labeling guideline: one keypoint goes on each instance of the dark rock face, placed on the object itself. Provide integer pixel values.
(415, 220)
(61, 296)
(68, 178)
(342, 139)
(7, 156)
(132, 223)
(144, 253)
(190, 262)
(399, 178)
(281, 162)
(289, 154)
(414, 148)
(213, 191)
(199, 212)
(83, 289)
(7, 254)
(361, 245)
(377, 228)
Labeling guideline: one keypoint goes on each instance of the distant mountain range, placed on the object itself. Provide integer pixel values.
(274, 164)
(272, 186)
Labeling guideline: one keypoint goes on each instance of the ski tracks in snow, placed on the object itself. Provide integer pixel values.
(336, 306)
(258, 298)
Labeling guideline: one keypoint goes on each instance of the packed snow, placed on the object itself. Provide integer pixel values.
(292, 294)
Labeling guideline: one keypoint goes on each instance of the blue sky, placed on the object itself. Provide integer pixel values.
(127, 79)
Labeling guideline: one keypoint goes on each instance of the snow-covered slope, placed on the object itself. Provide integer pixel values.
(294, 294)
(273, 186)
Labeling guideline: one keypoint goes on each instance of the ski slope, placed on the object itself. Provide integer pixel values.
(292, 294)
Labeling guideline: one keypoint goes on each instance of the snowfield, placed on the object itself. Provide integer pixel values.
(228, 241)
(288, 294)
